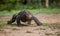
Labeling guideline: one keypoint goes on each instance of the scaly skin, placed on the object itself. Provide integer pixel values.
(24, 16)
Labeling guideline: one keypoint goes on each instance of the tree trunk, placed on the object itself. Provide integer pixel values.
(47, 3)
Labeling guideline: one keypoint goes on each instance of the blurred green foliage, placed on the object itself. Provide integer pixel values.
(18, 4)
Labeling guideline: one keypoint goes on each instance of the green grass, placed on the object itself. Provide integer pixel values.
(50, 10)
(48, 34)
(33, 11)
(2, 25)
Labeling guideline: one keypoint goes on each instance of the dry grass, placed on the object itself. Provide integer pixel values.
(54, 25)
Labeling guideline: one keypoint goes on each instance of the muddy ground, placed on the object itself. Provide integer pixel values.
(33, 29)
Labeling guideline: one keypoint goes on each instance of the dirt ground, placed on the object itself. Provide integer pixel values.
(32, 30)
